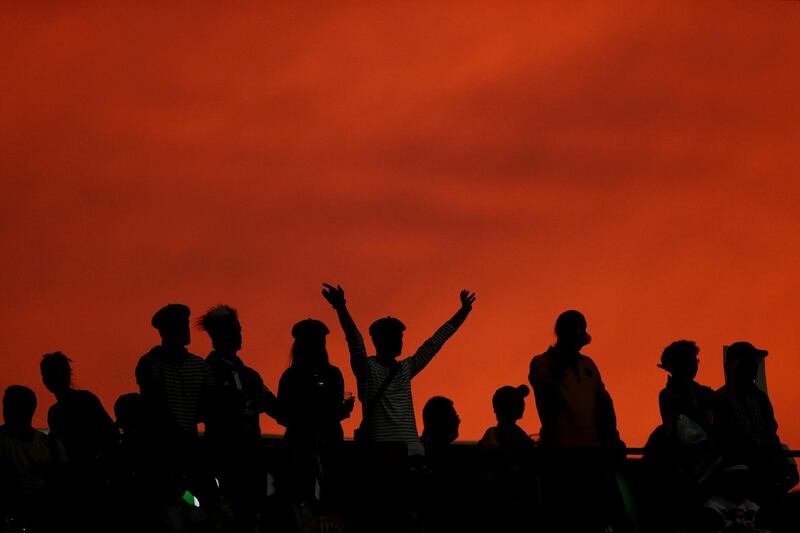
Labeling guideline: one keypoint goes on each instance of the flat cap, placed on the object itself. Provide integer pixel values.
(170, 315)
(309, 328)
(387, 325)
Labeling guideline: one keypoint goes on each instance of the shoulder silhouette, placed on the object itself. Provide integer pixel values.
(78, 418)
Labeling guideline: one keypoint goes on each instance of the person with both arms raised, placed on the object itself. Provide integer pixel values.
(389, 416)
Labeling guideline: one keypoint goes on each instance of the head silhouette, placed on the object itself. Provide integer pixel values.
(19, 404)
(570, 330)
(172, 323)
(309, 349)
(387, 336)
(222, 325)
(128, 412)
(440, 420)
(56, 372)
(742, 361)
(509, 403)
(680, 359)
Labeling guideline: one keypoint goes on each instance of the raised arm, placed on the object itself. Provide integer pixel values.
(430, 347)
(355, 341)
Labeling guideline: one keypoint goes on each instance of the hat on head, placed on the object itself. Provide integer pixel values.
(170, 315)
(741, 349)
(309, 328)
(388, 325)
(507, 396)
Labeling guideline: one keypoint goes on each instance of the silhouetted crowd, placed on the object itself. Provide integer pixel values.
(715, 464)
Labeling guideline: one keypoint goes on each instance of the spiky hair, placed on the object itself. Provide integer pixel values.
(213, 316)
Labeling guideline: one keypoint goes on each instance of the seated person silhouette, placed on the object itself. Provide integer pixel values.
(77, 419)
(440, 426)
(444, 491)
(687, 408)
(679, 455)
(30, 462)
(136, 490)
(128, 413)
(384, 383)
(127, 458)
(507, 438)
(509, 487)
(745, 428)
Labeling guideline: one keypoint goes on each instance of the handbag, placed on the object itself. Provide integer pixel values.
(361, 433)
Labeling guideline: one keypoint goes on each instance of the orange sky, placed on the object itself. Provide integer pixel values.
(636, 163)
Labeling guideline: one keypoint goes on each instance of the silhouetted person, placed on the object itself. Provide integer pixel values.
(311, 397)
(133, 485)
(577, 414)
(389, 416)
(574, 407)
(176, 389)
(128, 412)
(240, 392)
(745, 428)
(683, 396)
(440, 425)
(29, 463)
(507, 438)
(311, 390)
(233, 428)
(80, 422)
(77, 419)
(442, 488)
(679, 455)
(175, 385)
(510, 487)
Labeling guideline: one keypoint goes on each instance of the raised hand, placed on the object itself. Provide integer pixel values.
(467, 300)
(334, 295)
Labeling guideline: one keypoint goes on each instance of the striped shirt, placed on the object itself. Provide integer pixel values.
(392, 418)
(175, 388)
